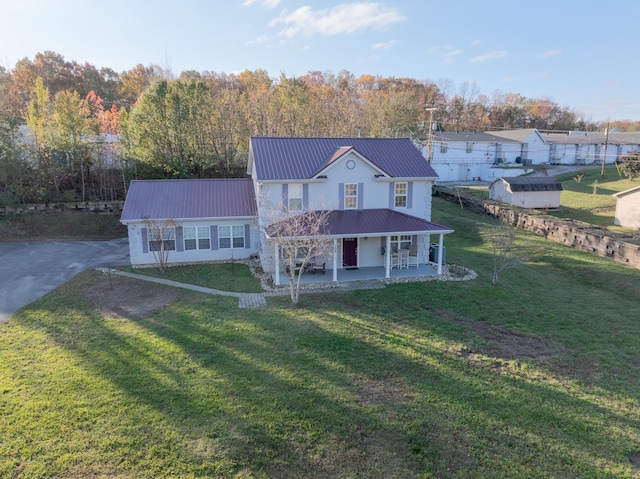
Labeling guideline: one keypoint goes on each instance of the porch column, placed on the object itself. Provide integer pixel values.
(335, 259)
(277, 259)
(387, 258)
(440, 248)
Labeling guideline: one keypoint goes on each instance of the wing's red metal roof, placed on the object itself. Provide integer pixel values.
(375, 222)
(182, 199)
(285, 158)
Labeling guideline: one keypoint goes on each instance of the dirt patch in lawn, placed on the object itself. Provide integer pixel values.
(128, 299)
(503, 343)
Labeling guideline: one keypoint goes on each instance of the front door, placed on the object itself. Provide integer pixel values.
(350, 252)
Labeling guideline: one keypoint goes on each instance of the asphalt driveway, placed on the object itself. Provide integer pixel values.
(28, 271)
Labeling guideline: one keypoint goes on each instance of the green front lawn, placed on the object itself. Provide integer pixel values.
(536, 377)
(223, 276)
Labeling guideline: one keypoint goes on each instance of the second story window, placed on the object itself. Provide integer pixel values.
(469, 146)
(400, 195)
(444, 147)
(295, 197)
(350, 195)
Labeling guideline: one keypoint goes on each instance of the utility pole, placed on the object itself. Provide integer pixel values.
(430, 136)
(606, 142)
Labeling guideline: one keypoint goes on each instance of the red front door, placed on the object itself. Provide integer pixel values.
(350, 252)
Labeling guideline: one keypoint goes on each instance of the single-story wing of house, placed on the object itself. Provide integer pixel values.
(192, 220)
(628, 208)
(527, 191)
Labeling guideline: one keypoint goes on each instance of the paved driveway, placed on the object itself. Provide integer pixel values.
(28, 271)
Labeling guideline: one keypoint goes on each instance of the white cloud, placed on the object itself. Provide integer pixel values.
(490, 56)
(384, 46)
(266, 3)
(549, 53)
(453, 53)
(261, 40)
(341, 19)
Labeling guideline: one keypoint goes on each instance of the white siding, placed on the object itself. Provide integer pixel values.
(628, 210)
(139, 258)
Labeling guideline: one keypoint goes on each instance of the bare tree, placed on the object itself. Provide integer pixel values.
(502, 240)
(161, 235)
(300, 237)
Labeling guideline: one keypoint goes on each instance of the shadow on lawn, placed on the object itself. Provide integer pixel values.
(343, 387)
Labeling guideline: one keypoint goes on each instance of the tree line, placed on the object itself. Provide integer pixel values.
(73, 132)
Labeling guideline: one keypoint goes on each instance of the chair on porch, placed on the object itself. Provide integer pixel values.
(413, 257)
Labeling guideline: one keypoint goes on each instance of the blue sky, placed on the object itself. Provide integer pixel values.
(578, 53)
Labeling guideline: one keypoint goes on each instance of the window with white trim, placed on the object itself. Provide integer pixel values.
(400, 199)
(444, 147)
(469, 146)
(163, 238)
(294, 197)
(196, 237)
(351, 195)
(231, 237)
(400, 242)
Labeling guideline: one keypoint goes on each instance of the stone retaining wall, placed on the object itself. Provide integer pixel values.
(94, 207)
(583, 236)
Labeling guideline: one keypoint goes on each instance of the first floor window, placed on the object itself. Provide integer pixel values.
(231, 236)
(400, 242)
(162, 239)
(196, 237)
(401, 195)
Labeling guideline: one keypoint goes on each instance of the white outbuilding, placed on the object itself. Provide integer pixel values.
(527, 191)
(628, 208)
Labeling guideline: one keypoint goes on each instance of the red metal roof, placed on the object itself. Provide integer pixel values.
(182, 199)
(284, 158)
(376, 222)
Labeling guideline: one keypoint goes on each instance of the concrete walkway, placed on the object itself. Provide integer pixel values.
(252, 300)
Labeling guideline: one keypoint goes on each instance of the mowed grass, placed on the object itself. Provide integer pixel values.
(223, 276)
(590, 200)
(417, 380)
(61, 227)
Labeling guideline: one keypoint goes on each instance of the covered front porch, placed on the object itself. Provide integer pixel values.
(366, 244)
(360, 274)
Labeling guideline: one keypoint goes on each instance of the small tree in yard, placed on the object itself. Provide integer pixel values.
(502, 239)
(300, 238)
(161, 235)
(630, 164)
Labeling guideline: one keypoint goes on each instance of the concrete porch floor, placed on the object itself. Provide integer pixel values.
(360, 274)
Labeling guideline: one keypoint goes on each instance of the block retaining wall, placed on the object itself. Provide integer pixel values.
(579, 235)
(94, 207)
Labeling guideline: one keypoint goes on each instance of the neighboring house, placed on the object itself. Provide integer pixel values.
(468, 156)
(378, 191)
(206, 220)
(586, 148)
(527, 192)
(533, 148)
(628, 208)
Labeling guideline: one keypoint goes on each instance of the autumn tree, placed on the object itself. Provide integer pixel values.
(630, 164)
(300, 237)
(170, 129)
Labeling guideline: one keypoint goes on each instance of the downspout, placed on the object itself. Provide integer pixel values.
(277, 265)
(440, 248)
(335, 259)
